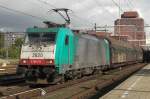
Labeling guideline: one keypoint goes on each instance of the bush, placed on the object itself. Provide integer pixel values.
(3, 52)
(13, 50)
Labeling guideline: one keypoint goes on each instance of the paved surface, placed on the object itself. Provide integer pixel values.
(135, 87)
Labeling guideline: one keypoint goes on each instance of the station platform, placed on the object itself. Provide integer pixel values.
(135, 87)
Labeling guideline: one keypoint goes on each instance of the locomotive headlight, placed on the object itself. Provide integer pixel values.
(24, 61)
(50, 61)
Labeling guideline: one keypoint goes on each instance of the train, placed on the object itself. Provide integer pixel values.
(56, 54)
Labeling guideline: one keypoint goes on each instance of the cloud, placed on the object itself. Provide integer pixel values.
(112, 9)
(85, 12)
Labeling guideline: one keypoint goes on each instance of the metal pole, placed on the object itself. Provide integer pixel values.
(7, 47)
(119, 20)
(95, 27)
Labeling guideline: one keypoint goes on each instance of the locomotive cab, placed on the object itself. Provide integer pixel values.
(38, 48)
(40, 58)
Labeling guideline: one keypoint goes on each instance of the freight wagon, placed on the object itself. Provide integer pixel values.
(50, 55)
(123, 53)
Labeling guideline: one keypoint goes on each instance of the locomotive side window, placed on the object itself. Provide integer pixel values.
(67, 40)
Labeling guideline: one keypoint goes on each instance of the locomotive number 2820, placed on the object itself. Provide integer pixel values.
(37, 55)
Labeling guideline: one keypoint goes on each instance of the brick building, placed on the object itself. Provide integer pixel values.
(131, 25)
(121, 37)
(107, 34)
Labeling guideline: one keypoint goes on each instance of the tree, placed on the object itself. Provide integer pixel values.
(1, 40)
(18, 42)
(2, 49)
(2, 52)
(14, 50)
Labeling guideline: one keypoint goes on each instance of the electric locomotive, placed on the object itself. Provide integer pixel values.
(40, 58)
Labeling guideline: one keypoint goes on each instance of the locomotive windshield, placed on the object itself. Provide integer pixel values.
(48, 37)
(40, 38)
(33, 38)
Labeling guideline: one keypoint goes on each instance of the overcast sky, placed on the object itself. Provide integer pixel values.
(83, 15)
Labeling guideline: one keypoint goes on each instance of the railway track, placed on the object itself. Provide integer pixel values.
(11, 79)
(85, 87)
(6, 90)
(8, 75)
(11, 84)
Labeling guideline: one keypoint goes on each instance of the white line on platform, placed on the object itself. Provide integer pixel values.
(130, 88)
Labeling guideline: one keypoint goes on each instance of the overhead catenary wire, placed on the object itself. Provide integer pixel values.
(83, 19)
(117, 5)
(146, 26)
(78, 17)
(56, 7)
(106, 10)
(44, 2)
(130, 2)
(35, 3)
(99, 4)
(20, 12)
(27, 14)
